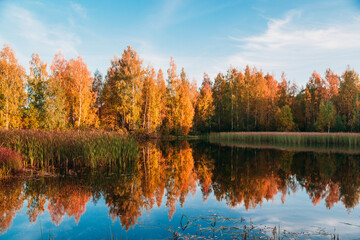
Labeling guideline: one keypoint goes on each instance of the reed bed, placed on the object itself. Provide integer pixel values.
(346, 140)
(70, 149)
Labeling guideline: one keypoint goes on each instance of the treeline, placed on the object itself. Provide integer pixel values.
(135, 98)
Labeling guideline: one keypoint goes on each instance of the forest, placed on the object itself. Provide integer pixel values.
(138, 99)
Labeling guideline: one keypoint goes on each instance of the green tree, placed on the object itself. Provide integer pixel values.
(284, 119)
(97, 88)
(326, 119)
(37, 86)
(339, 125)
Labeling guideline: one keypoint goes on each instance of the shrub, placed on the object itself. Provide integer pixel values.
(10, 160)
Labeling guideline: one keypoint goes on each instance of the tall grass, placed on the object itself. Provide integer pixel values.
(347, 140)
(70, 149)
(10, 161)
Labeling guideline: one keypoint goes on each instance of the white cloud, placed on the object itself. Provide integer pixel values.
(29, 27)
(288, 45)
(26, 33)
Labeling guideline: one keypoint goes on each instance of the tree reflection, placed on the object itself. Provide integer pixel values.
(171, 171)
(11, 201)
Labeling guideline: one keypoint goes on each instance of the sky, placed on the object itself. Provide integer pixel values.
(295, 37)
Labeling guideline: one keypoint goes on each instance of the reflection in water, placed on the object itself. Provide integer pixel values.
(172, 171)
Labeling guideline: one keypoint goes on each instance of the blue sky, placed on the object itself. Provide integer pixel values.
(296, 37)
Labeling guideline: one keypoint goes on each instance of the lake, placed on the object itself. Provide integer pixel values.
(191, 189)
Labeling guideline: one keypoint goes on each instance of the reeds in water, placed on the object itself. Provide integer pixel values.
(70, 149)
(348, 140)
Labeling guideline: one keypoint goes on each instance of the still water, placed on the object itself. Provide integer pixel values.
(192, 190)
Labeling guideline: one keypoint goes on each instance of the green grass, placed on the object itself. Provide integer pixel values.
(70, 149)
(347, 140)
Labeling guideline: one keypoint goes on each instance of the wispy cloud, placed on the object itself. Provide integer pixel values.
(32, 34)
(289, 45)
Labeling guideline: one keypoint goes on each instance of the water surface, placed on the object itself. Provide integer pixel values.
(191, 189)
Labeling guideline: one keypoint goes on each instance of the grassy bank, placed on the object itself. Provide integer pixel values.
(70, 149)
(181, 137)
(346, 140)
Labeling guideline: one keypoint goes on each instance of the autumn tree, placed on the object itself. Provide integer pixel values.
(151, 102)
(347, 95)
(122, 91)
(316, 92)
(204, 110)
(186, 108)
(37, 86)
(160, 82)
(80, 96)
(259, 100)
(332, 81)
(172, 120)
(55, 104)
(12, 89)
(271, 101)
